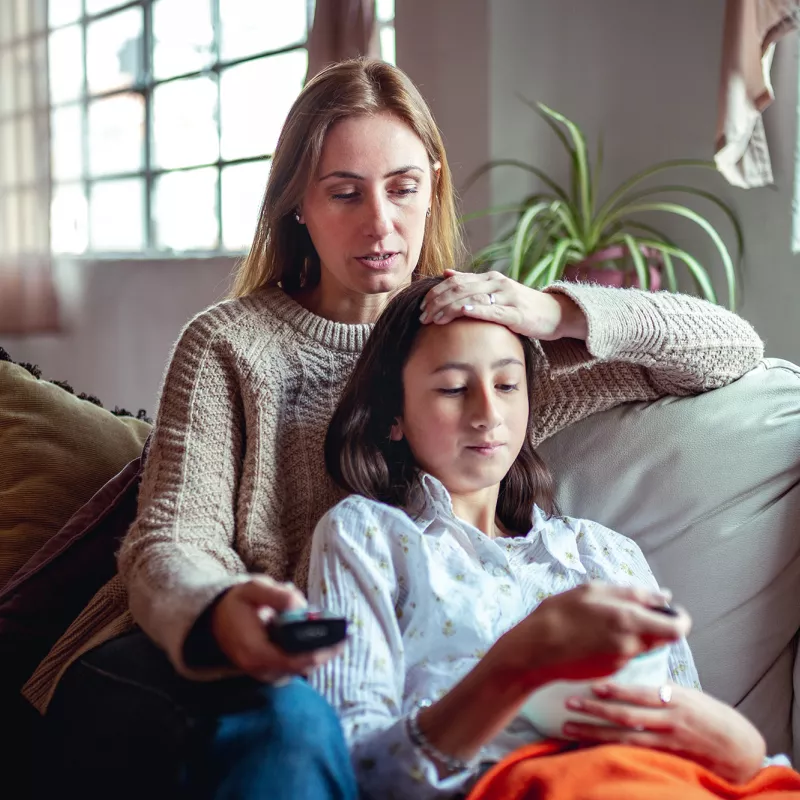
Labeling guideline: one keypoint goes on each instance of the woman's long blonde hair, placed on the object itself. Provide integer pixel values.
(282, 252)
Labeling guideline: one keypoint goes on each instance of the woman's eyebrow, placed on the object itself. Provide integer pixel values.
(356, 177)
(464, 367)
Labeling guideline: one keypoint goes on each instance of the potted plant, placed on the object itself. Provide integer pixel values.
(562, 233)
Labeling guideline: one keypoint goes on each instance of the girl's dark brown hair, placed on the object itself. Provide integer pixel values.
(363, 460)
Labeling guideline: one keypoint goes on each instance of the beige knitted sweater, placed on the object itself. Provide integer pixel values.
(235, 479)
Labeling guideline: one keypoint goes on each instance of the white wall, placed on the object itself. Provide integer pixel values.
(645, 72)
(122, 318)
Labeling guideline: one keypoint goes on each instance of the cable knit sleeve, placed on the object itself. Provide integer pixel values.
(178, 554)
(641, 346)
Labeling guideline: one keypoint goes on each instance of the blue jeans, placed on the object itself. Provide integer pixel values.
(123, 723)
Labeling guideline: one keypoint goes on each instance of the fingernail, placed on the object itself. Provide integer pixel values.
(438, 316)
(603, 690)
(667, 593)
(467, 307)
(423, 317)
(422, 305)
(575, 702)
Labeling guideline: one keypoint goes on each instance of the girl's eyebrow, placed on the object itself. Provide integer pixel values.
(356, 177)
(464, 367)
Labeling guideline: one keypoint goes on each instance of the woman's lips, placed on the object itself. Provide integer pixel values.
(379, 264)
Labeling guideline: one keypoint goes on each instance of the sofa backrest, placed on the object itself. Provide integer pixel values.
(708, 487)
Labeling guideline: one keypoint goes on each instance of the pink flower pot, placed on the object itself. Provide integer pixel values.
(590, 270)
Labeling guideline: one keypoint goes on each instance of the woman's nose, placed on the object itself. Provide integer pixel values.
(378, 222)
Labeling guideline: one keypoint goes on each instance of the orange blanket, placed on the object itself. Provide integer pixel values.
(552, 770)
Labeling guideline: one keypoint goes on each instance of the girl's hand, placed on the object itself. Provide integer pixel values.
(239, 626)
(587, 632)
(692, 724)
(525, 311)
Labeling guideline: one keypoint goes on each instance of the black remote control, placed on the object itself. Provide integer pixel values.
(306, 629)
(668, 610)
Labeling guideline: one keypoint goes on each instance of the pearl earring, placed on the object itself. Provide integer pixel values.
(297, 216)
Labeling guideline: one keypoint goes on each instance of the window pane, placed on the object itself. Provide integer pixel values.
(66, 138)
(39, 15)
(68, 214)
(242, 192)
(183, 36)
(185, 123)
(116, 214)
(96, 6)
(384, 10)
(6, 22)
(249, 27)
(8, 153)
(185, 210)
(24, 76)
(22, 17)
(8, 82)
(114, 51)
(66, 64)
(387, 45)
(251, 128)
(116, 134)
(63, 12)
(26, 139)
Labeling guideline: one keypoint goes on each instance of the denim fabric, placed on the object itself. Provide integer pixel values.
(124, 724)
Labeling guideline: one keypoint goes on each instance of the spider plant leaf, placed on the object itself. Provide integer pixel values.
(553, 126)
(639, 264)
(669, 267)
(513, 162)
(565, 212)
(581, 166)
(598, 166)
(492, 211)
(727, 210)
(619, 193)
(559, 261)
(699, 275)
(688, 213)
(532, 278)
(669, 271)
(523, 235)
(491, 254)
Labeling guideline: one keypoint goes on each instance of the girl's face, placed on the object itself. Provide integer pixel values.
(366, 207)
(465, 409)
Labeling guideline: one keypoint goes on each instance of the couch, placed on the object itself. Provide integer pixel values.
(707, 485)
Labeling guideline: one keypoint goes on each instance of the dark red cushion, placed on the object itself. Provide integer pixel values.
(48, 592)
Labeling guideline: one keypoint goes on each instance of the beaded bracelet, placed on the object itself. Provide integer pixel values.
(419, 740)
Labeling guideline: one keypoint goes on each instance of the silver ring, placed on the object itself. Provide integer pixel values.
(491, 298)
(665, 693)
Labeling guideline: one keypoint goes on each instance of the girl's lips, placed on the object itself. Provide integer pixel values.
(379, 265)
(485, 450)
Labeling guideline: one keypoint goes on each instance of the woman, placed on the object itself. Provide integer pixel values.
(442, 559)
(358, 204)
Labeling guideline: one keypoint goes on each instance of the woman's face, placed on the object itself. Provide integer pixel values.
(465, 403)
(366, 207)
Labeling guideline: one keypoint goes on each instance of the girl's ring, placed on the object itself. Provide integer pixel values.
(665, 693)
(491, 298)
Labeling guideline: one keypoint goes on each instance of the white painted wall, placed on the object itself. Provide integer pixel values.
(643, 71)
(646, 72)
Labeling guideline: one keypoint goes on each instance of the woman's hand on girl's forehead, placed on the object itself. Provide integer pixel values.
(494, 297)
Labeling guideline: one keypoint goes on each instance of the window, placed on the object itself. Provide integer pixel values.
(162, 116)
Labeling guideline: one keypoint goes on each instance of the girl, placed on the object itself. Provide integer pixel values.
(465, 588)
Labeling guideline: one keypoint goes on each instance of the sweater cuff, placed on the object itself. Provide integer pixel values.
(201, 649)
(622, 323)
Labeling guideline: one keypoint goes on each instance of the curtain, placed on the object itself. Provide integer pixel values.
(751, 30)
(28, 301)
(342, 29)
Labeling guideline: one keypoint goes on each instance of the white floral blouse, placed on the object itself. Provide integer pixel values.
(427, 595)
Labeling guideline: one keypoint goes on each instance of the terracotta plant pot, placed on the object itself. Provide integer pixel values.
(599, 268)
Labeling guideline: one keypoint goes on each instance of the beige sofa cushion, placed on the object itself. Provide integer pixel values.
(708, 487)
